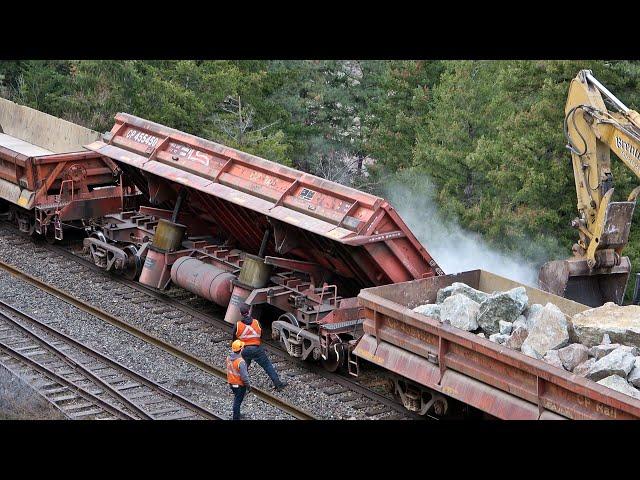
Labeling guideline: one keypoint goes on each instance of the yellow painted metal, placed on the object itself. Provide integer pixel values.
(593, 132)
(254, 273)
(598, 228)
(603, 225)
(168, 235)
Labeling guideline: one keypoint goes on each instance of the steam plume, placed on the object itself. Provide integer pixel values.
(455, 249)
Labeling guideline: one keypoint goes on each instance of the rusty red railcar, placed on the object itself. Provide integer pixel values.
(434, 362)
(47, 177)
(349, 232)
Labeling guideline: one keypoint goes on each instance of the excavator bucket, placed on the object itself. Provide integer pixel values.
(574, 280)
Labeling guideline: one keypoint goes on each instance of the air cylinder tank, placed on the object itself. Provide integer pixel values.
(203, 279)
(167, 238)
(253, 274)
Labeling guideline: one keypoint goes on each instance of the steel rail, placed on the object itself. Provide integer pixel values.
(71, 362)
(200, 363)
(78, 390)
(176, 398)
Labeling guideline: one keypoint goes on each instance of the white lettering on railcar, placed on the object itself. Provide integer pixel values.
(141, 137)
(189, 153)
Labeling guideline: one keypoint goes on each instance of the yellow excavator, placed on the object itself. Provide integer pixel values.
(597, 273)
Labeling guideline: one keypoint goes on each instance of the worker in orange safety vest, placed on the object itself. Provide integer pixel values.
(249, 331)
(237, 376)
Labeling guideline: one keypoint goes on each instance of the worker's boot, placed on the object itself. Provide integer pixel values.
(280, 386)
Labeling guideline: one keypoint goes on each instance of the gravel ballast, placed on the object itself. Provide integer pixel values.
(306, 389)
(158, 365)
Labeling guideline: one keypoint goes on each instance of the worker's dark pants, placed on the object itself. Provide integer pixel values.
(257, 353)
(239, 392)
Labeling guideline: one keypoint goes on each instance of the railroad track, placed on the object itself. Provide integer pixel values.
(81, 382)
(267, 397)
(208, 314)
(202, 317)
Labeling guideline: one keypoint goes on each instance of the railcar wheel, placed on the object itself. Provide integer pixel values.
(285, 317)
(98, 235)
(335, 357)
(290, 318)
(50, 235)
(134, 264)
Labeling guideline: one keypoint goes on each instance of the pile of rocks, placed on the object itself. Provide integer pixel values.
(582, 345)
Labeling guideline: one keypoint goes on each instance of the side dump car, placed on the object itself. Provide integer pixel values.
(434, 362)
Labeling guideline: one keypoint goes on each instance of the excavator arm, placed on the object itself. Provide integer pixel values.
(597, 273)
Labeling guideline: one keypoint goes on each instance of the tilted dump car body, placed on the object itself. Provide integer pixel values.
(458, 364)
(317, 242)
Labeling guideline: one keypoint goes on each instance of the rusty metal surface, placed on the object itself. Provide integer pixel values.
(68, 186)
(494, 378)
(617, 224)
(353, 234)
(42, 156)
(203, 279)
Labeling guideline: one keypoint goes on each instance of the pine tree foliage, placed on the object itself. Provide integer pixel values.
(487, 134)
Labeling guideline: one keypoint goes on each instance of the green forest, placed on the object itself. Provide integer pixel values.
(483, 139)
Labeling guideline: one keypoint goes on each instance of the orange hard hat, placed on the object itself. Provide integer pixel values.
(237, 345)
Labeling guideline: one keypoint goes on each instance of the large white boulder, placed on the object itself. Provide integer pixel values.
(460, 311)
(618, 383)
(619, 362)
(549, 332)
(620, 323)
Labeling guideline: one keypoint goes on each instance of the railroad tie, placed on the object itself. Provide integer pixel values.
(127, 386)
(360, 406)
(320, 383)
(349, 397)
(380, 409)
(184, 320)
(140, 299)
(77, 406)
(161, 309)
(307, 377)
(64, 396)
(166, 410)
(195, 326)
(181, 416)
(149, 304)
(86, 413)
(335, 390)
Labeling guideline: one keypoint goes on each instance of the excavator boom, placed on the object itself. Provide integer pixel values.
(597, 273)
